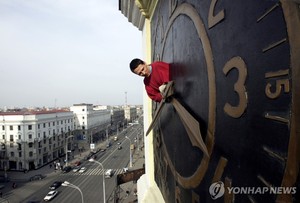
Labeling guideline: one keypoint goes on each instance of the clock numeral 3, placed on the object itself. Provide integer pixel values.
(239, 87)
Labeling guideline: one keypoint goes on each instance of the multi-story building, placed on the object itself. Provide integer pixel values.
(130, 113)
(117, 118)
(90, 125)
(31, 139)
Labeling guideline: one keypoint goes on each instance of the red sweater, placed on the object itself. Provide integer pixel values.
(160, 74)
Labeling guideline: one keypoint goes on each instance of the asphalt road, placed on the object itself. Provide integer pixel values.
(90, 182)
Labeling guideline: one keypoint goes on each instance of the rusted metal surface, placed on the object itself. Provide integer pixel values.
(133, 175)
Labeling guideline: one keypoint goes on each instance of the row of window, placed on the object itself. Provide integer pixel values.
(29, 127)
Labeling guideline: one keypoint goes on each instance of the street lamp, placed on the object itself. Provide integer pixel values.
(67, 184)
(103, 182)
(130, 155)
(67, 148)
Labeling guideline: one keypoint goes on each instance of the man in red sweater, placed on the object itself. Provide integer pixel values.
(156, 76)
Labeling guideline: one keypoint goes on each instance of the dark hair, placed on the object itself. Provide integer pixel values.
(135, 63)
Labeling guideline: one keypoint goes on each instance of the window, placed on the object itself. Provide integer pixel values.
(11, 145)
(19, 146)
(53, 131)
(30, 144)
(12, 154)
(38, 126)
(82, 117)
(19, 137)
(30, 154)
(20, 154)
(29, 136)
(44, 125)
(82, 109)
(29, 127)
(53, 123)
(49, 124)
(19, 127)
(11, 127)
(3, 137)
(11, 138)
(3, 127)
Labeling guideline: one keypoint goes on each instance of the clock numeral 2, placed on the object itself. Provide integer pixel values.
(214, 19)
(280, 84)
(239, 87)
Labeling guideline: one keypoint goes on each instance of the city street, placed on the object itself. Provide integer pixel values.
(89, 183)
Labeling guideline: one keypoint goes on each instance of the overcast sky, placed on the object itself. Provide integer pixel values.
(64, 52)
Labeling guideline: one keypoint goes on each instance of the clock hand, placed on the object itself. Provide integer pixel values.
(191, 125)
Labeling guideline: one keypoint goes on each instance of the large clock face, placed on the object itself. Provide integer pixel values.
(234, 65)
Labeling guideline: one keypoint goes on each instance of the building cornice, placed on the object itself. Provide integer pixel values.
(136, 11)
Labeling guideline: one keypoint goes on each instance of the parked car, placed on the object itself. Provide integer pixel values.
(55, 185)
(67, 169)
(37, 177)
(50, 195)
(119, 147)
(82, 170)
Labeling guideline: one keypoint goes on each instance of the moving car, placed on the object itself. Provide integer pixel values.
(76, 169)
(109, 173)
(55, 185)
(50, 195)
(82, 169)
(67, 169)
(77, 163)
(37, 177)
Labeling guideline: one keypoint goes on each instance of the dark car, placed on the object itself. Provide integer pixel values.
(67, 169)
(119, 147)
(77, 163)
(55, 185)
(37, 177)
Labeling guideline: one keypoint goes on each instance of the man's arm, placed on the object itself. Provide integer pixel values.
(153, 94)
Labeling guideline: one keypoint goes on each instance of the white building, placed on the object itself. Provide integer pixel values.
(31, 139)
(130, 113)
(90, 125)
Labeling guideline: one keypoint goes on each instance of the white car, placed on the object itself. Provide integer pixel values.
(50, 195)
(76, 168)
(82, 169)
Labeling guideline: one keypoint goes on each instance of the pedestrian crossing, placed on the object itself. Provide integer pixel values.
(93, 171)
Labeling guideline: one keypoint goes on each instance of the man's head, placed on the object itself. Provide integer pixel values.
(139, 67)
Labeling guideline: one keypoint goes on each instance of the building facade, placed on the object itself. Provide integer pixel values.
(90, 126)
(130, 113)
(32, 139)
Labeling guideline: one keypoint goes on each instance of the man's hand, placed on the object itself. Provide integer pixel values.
(162, 89)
